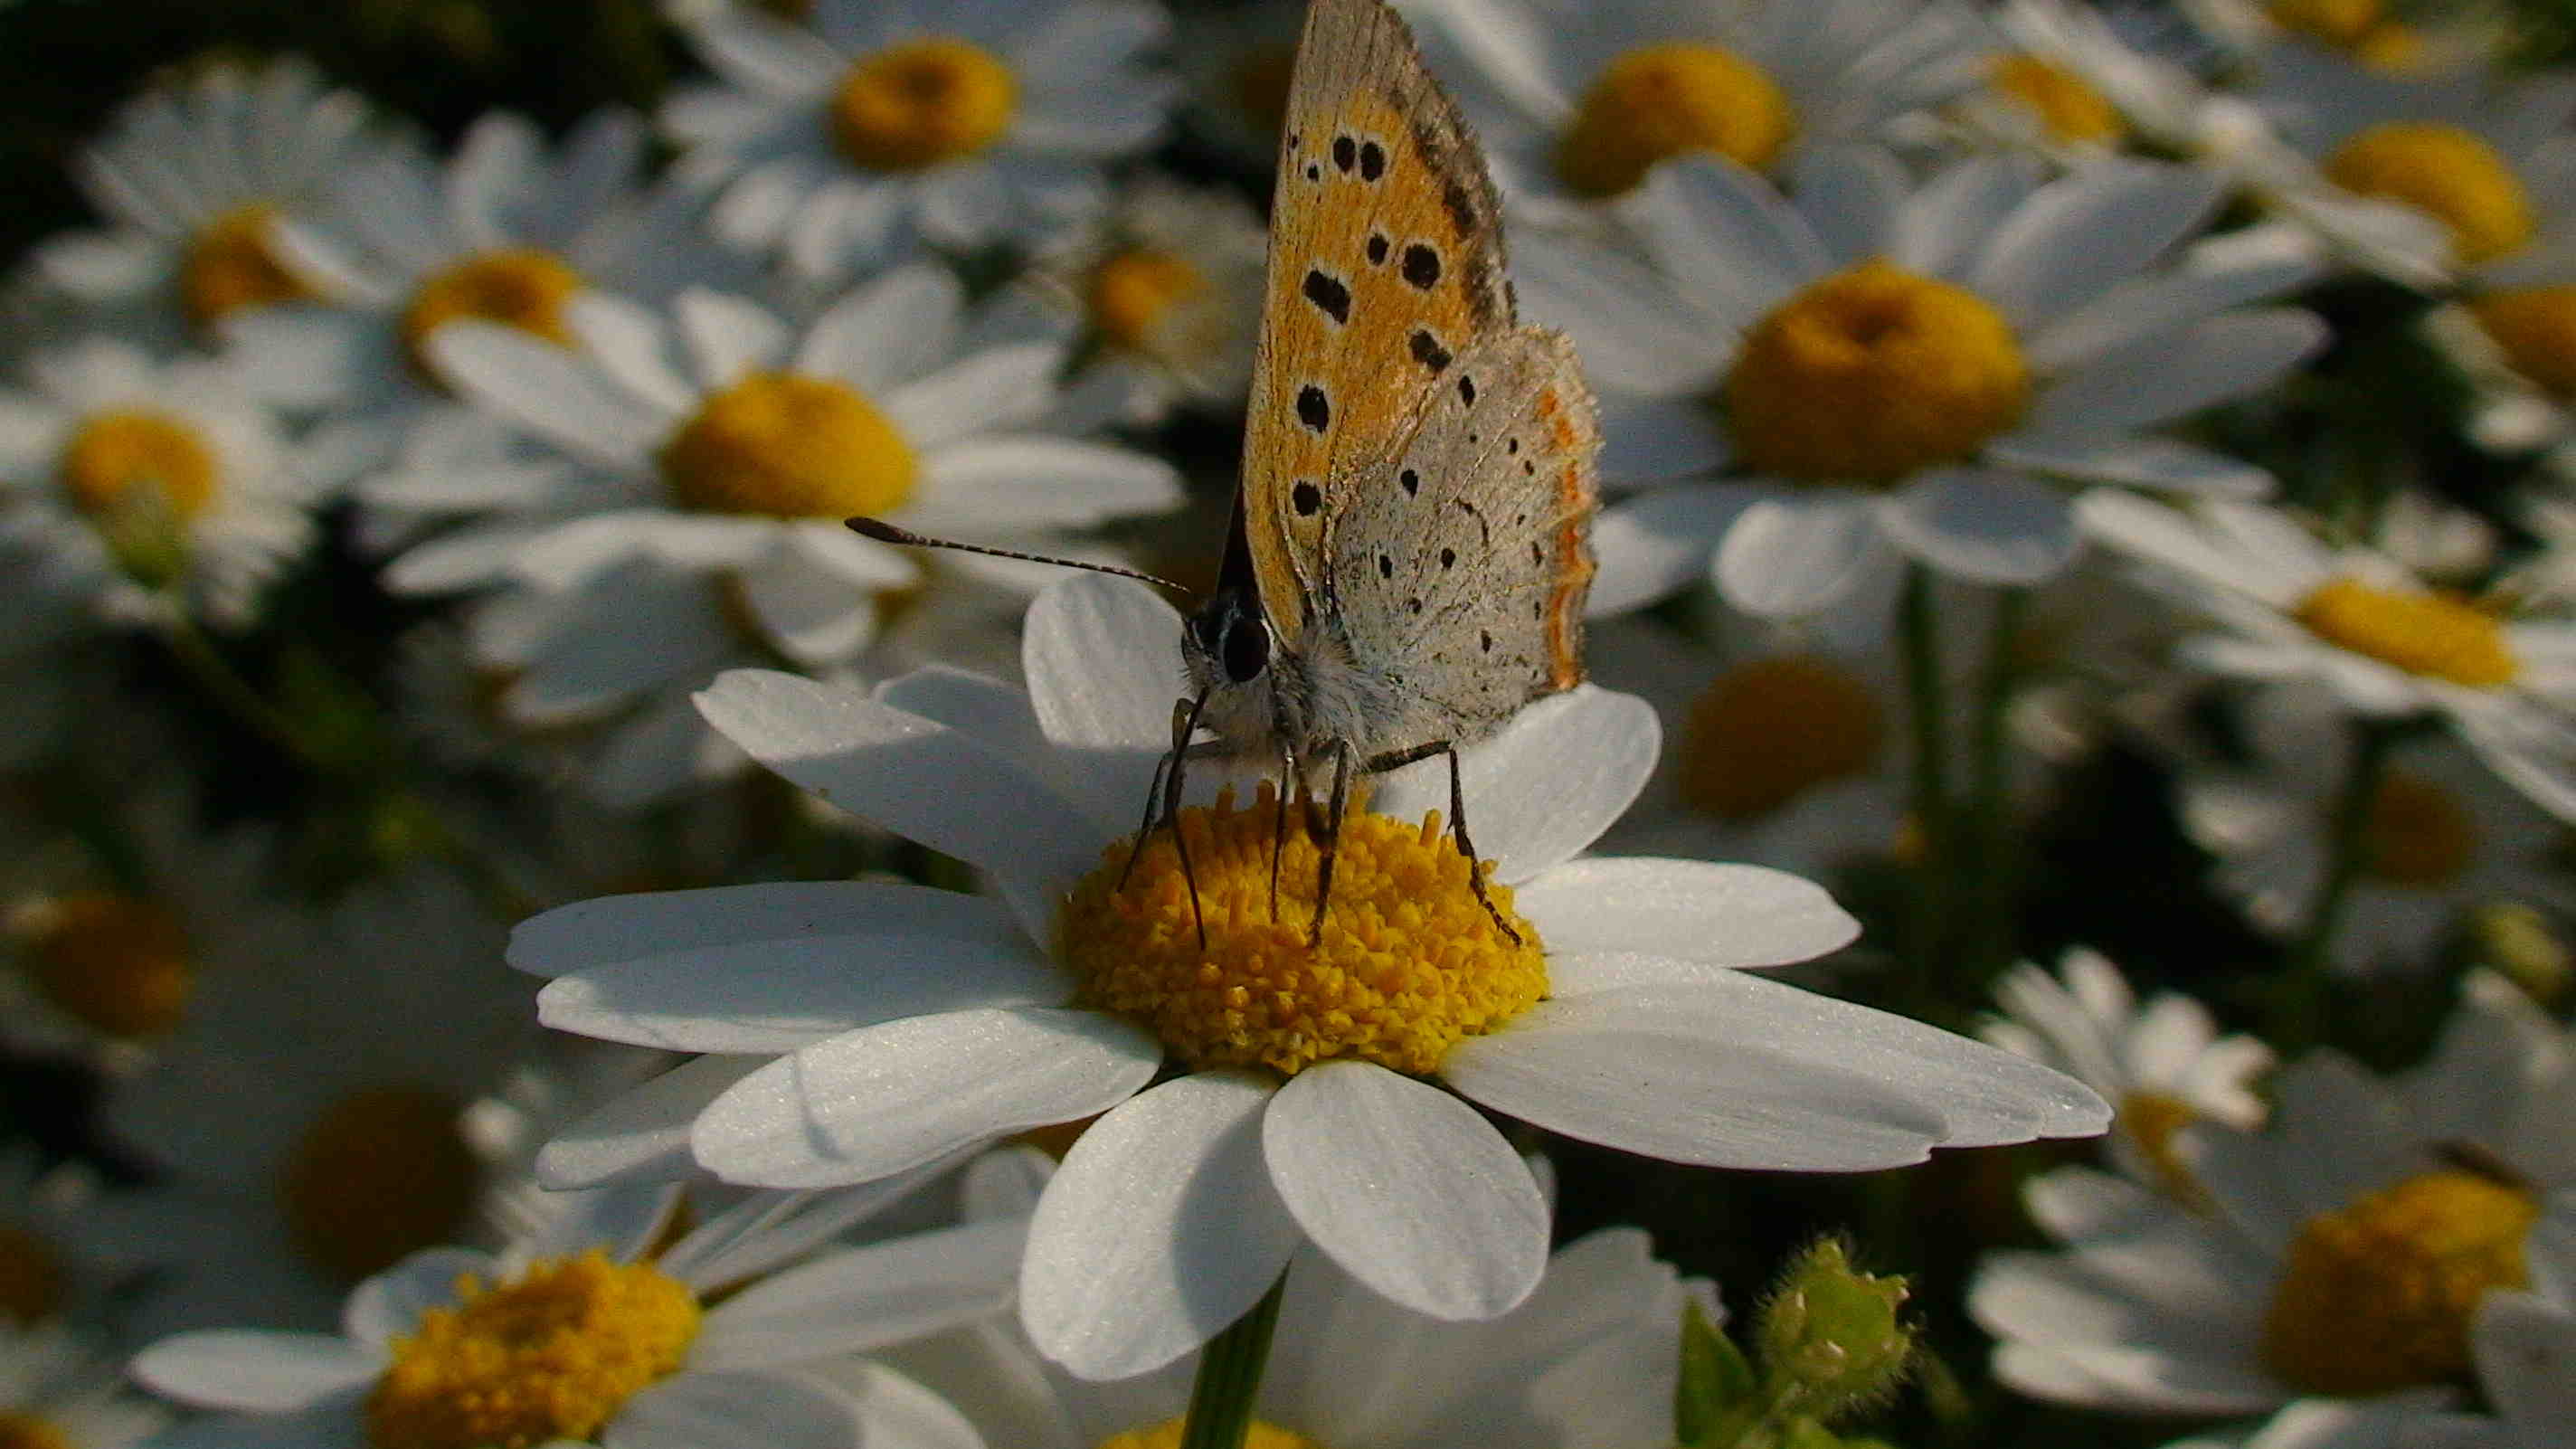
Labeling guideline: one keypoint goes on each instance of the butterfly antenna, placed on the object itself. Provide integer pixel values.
(884, 532)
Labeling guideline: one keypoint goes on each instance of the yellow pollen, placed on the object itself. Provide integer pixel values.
(791, 447)
(2445, 172)
(1660, 101)
(2536, 328)
(2339, 23)
(2151, 1120)
(1258, 85)
(2392, 47)
(383, 1172)
(1872, 373)
(1167, 1435)
(518, 287)
(31, 1277)
(913, 106)
(551, 1354)
(1767, 732)
(228, 266)
(2432, 634)
(117, 964)
(2068, 108)
(2418, 834)
(1409, 962)
(2378, 1296)
(1131, 292)
(27, 1431)
(129, 457)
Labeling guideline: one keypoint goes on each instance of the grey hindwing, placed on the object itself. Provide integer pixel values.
(1451, 565)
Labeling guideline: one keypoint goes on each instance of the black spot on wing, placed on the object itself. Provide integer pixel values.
(1428, 351)
(1377, 248)
(1411, 480)
(1461, 205)
(1386, 566)
(1421, 266)
(1328, 294)
(1314, 172)
(1345, 154)
(1448, 558)
(1372, 161)
(1305, 498)
(1313, 408)
(1467, 390)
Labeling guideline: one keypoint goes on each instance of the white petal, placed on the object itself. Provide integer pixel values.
(248, 1369)
(546, 390)
(1632, 332)
(2526, 1356)
(1039, 483)
(1787, 558)
(1557, 776)
(1103, 672)
(2132, 462)
(993, 390)
(1731, 240)
(870, 1103)
(734, 1410)
(1161, 1228)
(1660, 543)
(763, 53)
(728, 336)
(626, 928)
(888, 332)
(392, 1301)
(1408, 1189)
(860, 1299)
(1985, 527)
(1850, 195)
(812, 614)
(2073, 238)
(632, 343)
(1956, 211)
(2170, 374)
(1692, 910)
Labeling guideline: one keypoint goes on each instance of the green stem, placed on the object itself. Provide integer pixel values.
(222, 683)
(1990, 836)
(1928, 703)
(1229, 1377)
(2303, 998)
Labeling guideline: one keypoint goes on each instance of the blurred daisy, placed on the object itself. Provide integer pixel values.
(2350, 1247)
(193, 177)
(2353, 620)
(1310, 1119)
(58, 1391)
(1168, 287)
(1915, 372)
(2442, 836)
(1234, 61)
(1575, 104)
(716, 454)
(613, 1322)
(2162, 1066)
(841, 142)
(161, 487)
(2403, 38)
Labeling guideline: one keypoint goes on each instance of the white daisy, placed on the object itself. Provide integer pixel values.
(2404, 38)
(2443, 834)
(1168, 287)
(842, 142)
(2293, 608)
(160, 487)
(191, 177)
(608, 1324)
(2162, 1066)
(1576, 103)
(1649, 1039)
(1914, 371)
(714, 454)
(2349, 1247)
(59, 1391)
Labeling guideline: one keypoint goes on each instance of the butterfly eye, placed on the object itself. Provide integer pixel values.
(1247, 650)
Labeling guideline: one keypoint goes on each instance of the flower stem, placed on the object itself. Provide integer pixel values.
(1229, 1377)
(1928, 704)
(225, 686)
(2301, 1015)
(1990, 792)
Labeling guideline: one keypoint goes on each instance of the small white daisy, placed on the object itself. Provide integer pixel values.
(2343, 1251)
(842, 142)
(192, 176)
(2162, 1066)
(1310, 1119)
(1577, 103)
(1915, 370)
(161, 486)
(58, 1391)
(1168, 288)
(607, 1323)
(2352, 619)
(715, 453)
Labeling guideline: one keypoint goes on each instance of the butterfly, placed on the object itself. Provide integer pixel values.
(1410, 546)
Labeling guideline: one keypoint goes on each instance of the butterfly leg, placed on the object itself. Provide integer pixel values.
(1279, 826)
(1398, 759)
(1328, 841)
(1168, 773)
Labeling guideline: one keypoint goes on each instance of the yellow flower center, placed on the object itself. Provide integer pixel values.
(2068, 108)
(790, 447)
(1659, 101)
(1258, 85)
(383, 1172)
(913, 106)
(518, 287)
(1131, 292)
(117, 964)
(1872, 373)
(31, 1277)
(2422, 633)
(2339, 23)
(2151, 1120)
(27, 1431)
(2378, 1296)
(2418, 834)
(227, 266)
(2445, 172)
(551, 1354)
(1409, 962)
(2536, 328)
(1167, 1435)
(1766, 732)
(133, 460)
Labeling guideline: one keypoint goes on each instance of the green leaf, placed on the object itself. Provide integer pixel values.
(1714, 1379)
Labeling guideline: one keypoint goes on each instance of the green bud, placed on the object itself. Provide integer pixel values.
(1831, 1340)
(146, 537)
(1716, 1384)
(2516, 940)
